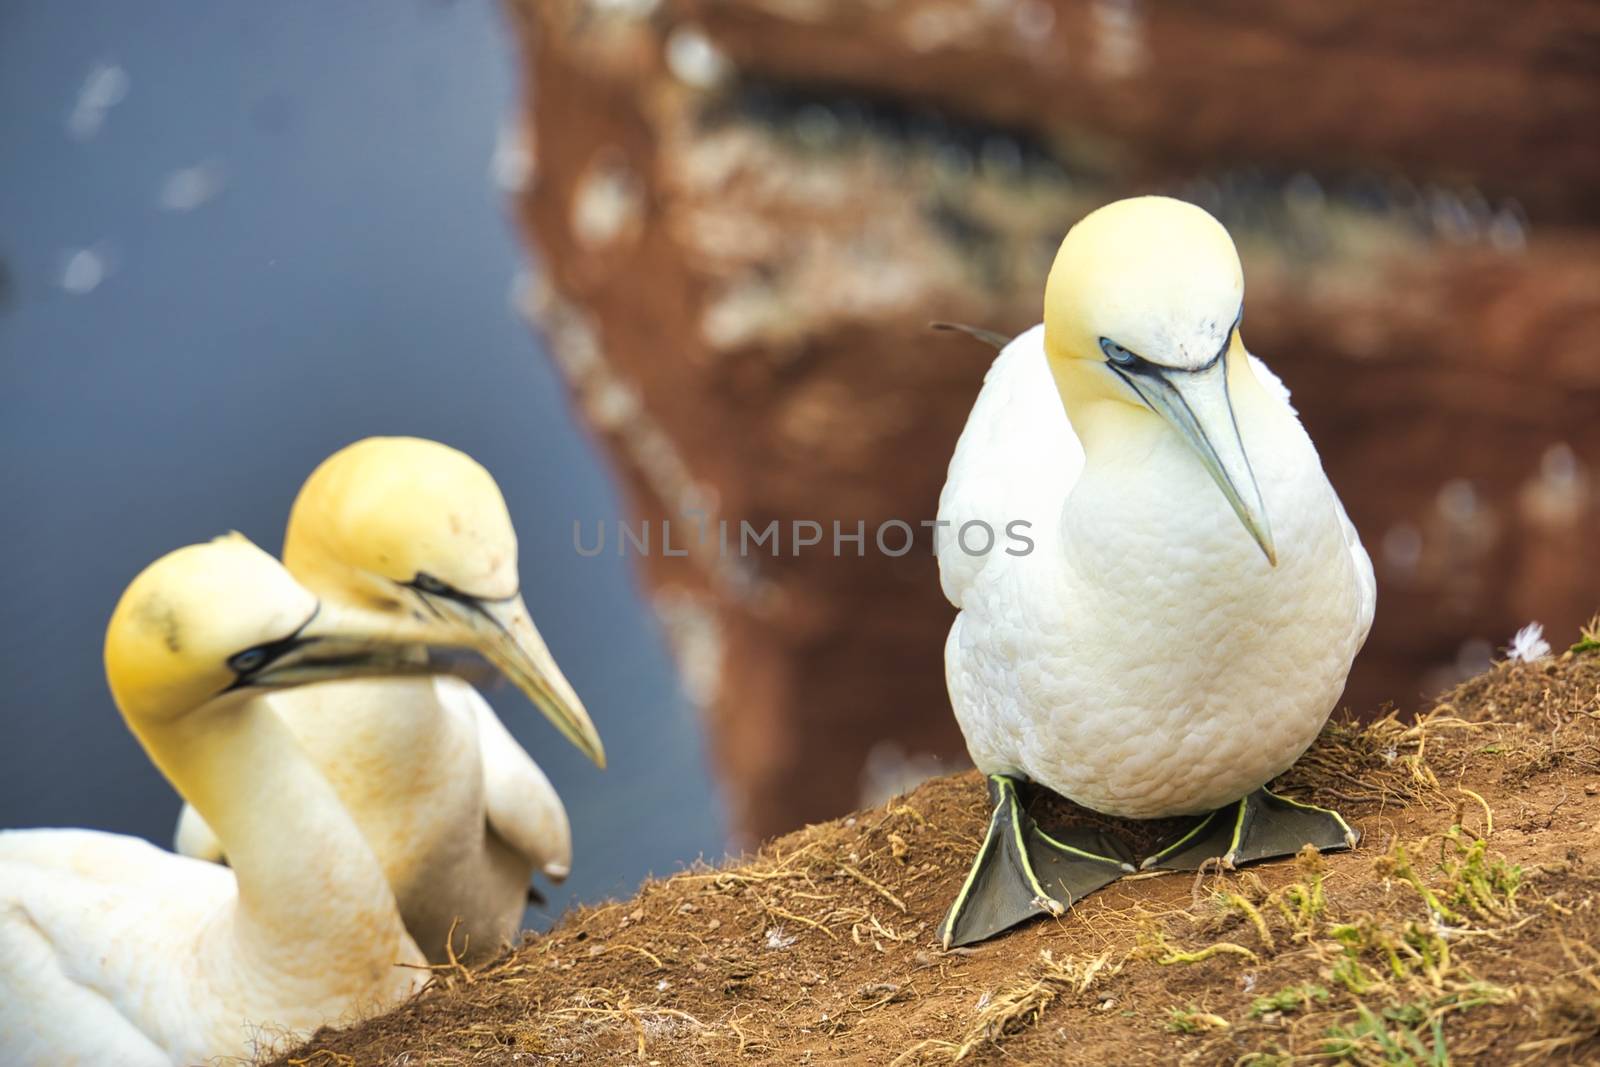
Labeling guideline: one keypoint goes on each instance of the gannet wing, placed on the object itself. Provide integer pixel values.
(1367, 584)
(49, 1015)
(523, 808)
(1016, 461)
(1272, 383)
(193, 837)
(70, 900)
(95, 856)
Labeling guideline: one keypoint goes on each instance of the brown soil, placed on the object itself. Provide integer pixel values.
(1465, 926)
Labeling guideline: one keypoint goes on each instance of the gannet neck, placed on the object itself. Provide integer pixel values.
(192, 645)
(1107, 427)
(1145, 494)
(309, 887)
(1197, 408)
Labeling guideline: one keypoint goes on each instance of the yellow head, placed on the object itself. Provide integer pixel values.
(224, 617)
(417, 531)
(1157, 276)
(1141, 317)
(390, 512)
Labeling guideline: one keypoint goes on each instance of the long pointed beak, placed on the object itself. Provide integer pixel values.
(334, 645)
(1197, 405)
(503, 632)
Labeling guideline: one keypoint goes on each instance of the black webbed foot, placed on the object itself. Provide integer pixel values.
(1022, 872)
(1261, 826)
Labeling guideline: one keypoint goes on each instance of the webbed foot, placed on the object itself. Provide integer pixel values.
(1261, 826)
(1022, 872)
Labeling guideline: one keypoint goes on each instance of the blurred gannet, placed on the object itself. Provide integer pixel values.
(1166, 648)
(114, 951)
(458, 813)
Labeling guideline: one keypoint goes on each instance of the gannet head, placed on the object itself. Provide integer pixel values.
(1142, 312)
(225, 617)
(416, 530)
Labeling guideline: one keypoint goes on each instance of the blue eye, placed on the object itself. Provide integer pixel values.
(1117, 354)
(248, 661)
(429, 584)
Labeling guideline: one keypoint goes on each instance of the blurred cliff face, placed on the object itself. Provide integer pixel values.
(748, 212)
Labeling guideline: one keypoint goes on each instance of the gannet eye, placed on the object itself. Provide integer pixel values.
(427, 583)
(250, 660)
(1117, 354)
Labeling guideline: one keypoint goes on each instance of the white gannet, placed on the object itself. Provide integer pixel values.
(1164, 648)
(457, 811)
(114, 951)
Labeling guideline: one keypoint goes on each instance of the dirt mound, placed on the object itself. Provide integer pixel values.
(1465, 930)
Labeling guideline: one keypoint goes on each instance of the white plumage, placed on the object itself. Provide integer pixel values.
(1144, 659)
(115, 952)
(456, 810)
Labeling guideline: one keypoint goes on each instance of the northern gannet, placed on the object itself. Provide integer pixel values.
(1195, 594)
(114, 951)
(456, 810)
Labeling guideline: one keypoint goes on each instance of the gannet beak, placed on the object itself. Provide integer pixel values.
(332, 645)
(1197, 405)
(503, 632)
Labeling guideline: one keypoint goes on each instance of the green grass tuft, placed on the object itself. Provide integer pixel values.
(1291, 998)
(1393, 1039)
(1191, 1020)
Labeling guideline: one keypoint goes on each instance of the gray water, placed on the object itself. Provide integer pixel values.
(334, 262)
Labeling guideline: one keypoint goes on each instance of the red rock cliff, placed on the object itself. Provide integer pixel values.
(747, 212)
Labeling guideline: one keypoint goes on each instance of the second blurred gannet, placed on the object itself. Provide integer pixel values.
(456, 810)
(113, 951)
(1196, 594)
